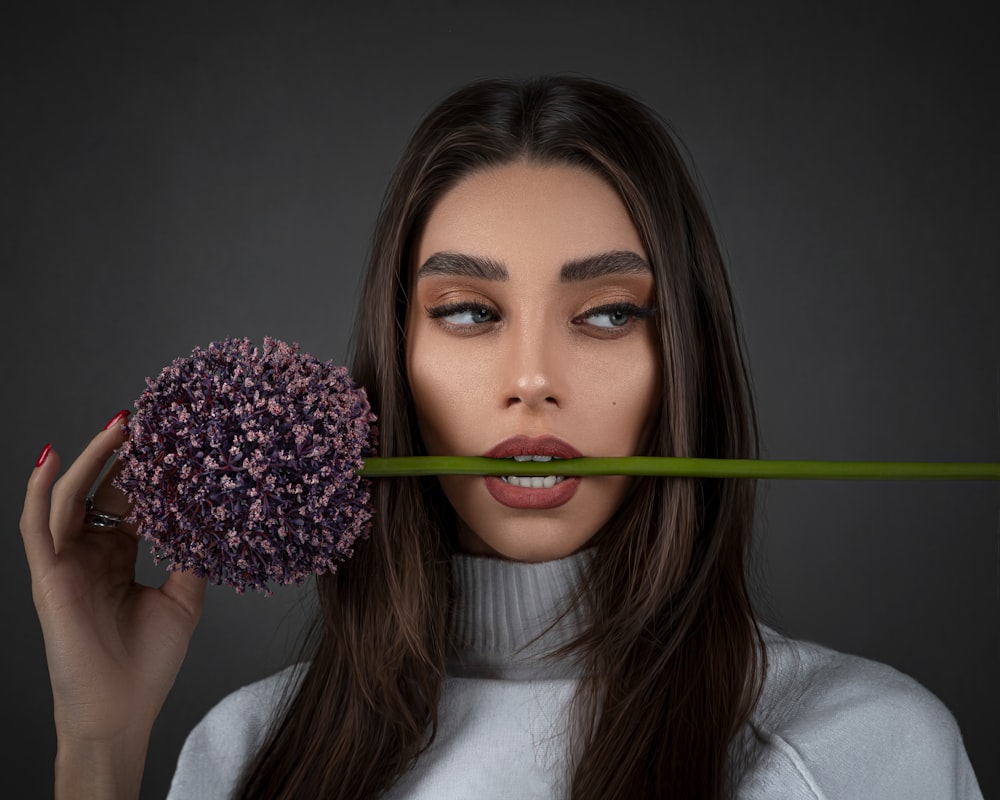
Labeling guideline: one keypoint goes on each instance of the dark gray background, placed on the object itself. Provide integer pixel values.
(173, 176)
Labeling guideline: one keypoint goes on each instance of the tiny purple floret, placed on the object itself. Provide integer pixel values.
(241, 464)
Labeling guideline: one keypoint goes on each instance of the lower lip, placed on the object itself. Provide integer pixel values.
(522, 497)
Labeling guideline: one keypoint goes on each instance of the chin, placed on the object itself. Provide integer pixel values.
(527, 543)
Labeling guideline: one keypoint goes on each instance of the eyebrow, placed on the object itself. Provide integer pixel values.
(612, 262)
(462, 265)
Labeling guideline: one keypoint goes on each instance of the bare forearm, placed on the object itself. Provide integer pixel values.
(87, 770)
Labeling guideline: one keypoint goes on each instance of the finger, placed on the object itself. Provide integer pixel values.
(188, 591)
(35, 534)
(69, 494)
(109, 499)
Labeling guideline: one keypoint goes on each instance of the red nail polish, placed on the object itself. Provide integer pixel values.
(43, 456)
(121, 416)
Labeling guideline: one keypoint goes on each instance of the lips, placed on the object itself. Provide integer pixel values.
(534, 497)
(533, 446)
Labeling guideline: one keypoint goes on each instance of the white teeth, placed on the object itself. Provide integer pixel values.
(533, 482)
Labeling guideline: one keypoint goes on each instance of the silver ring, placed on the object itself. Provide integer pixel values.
(99, 519)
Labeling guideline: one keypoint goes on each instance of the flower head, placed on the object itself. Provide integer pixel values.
(242, 464)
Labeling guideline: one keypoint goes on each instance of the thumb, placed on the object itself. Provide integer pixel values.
(35, 531)
(188, 591)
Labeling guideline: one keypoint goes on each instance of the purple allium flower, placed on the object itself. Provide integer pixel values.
(241, 464)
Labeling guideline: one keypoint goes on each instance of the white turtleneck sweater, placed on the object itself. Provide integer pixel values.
(828, 725)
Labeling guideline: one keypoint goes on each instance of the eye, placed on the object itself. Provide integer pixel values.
(463, 314)
(610, 317)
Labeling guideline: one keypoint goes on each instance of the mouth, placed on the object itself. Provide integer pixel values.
(533, 448)
(533, 491)
(534, 481)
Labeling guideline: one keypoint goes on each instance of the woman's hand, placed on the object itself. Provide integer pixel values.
(113, 646)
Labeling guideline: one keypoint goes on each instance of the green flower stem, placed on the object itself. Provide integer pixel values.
(687, 467)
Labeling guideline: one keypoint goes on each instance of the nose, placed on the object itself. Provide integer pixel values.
(533, 391)
(533, 377)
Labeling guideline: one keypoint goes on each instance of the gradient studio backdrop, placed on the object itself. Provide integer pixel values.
(174, 176)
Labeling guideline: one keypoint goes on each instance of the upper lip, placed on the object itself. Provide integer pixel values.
(533, 446)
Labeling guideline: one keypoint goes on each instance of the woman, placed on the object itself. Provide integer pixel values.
(544, 283)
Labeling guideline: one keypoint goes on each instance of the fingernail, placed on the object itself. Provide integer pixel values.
(43, 456)
(121, 416)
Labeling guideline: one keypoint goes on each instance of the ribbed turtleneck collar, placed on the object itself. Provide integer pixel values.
(503, 612)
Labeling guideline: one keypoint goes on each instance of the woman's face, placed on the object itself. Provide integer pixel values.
(528, 335)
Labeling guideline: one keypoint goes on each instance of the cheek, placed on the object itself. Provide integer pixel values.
(447, 395)
(622, 396)
(647, 394)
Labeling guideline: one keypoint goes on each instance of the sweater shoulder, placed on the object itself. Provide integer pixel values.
(218, 748)
(808, 683)
(839, 725)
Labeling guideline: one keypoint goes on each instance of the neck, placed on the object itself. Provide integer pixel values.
(508, 617)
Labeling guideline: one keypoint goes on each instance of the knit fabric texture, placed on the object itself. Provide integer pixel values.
(828, 725)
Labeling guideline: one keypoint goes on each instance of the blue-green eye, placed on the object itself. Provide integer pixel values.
(463, 314)
(610, 319)
(613, 316)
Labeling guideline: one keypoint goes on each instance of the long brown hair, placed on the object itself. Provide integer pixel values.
(673, 656)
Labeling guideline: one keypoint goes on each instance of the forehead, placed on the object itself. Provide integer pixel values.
(529, 213)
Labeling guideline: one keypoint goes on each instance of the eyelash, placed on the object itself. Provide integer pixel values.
(439, 312)
(631, 310)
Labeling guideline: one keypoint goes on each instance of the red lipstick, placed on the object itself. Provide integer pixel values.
(532, 498)
(533, 446)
